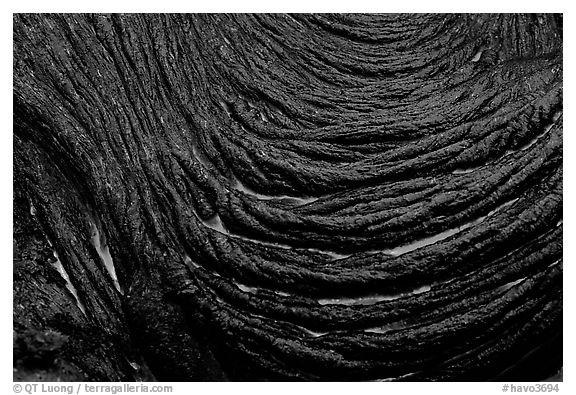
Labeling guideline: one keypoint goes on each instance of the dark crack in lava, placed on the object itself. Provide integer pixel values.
(287, 197)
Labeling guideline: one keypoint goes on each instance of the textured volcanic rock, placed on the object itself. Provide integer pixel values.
(287, 197)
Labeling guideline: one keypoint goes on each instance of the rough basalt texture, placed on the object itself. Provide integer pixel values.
(287, 197)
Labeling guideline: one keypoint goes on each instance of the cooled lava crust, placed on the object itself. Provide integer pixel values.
(287, 197)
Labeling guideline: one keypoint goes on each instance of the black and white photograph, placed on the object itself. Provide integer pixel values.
(286, 197)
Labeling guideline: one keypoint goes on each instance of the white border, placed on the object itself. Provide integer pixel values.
(6, 156)
(288, 6)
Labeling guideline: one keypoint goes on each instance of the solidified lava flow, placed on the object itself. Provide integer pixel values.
(287, 197)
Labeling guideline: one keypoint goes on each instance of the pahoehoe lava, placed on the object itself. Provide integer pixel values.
(287, 197)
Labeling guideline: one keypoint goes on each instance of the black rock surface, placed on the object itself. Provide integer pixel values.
(287, 197)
